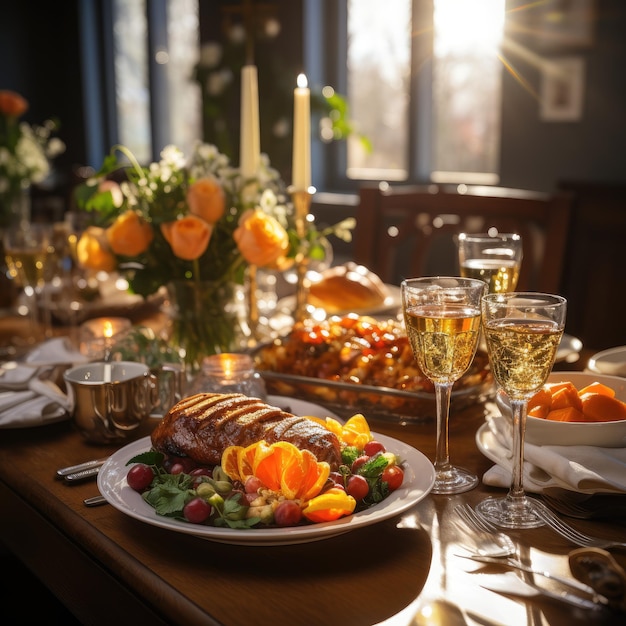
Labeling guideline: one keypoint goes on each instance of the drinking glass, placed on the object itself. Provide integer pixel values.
(495, 259)
(523, 331)
(442, 319)
(26, 248)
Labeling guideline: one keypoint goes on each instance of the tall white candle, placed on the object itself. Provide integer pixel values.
(250, 143)
(301, 158)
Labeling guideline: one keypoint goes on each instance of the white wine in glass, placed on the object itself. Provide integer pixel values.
(442, 319)
(26, 249)
(522, 331)
(496, 259)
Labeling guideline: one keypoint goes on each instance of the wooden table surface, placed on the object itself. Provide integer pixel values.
(110, 568)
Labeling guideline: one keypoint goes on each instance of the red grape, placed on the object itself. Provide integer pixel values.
(252, 485)
(372, 447)
(287, 513)
(357, 487)
(140, 477)
(356, 464)
(197, 510)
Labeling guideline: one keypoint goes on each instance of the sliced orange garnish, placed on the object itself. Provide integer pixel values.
(230, 462)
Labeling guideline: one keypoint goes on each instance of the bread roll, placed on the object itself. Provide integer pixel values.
(349, 287)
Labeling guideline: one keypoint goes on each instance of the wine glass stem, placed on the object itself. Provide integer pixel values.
(519, 408)
(442, 396)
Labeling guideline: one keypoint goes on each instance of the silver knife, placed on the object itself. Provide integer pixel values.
(570, 583)
(72, 469)
(95, 501)
(76, 477)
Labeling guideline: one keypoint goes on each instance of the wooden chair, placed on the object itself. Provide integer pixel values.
(408, 231)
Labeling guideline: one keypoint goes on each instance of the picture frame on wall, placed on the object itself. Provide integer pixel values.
(562, 89)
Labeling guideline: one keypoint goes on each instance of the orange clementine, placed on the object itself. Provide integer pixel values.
(230, 462)
(315, 475)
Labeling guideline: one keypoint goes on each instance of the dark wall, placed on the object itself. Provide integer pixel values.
(40, 52)
(537, 154)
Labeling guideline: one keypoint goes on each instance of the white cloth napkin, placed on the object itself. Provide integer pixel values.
(586, 469)
(27, 395)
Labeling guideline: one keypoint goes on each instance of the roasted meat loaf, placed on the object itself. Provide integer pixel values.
(202, 426)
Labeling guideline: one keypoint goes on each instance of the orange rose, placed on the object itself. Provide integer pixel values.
(12, 104)
(129, 235)
(206, 199)
(92, 250)
(260, 238)
(188, 237)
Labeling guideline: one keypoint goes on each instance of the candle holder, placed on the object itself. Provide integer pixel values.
(302, 203)
(97, 335)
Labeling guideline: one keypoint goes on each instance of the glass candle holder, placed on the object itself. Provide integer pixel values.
(229, 373)
(98, 335)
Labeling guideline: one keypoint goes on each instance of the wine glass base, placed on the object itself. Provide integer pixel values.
(510, 512)
(454, 480)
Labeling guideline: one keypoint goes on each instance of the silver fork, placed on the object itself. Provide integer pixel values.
(570, 533)
(488, 540)
(488, 554)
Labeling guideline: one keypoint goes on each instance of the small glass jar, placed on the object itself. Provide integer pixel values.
(229, 373)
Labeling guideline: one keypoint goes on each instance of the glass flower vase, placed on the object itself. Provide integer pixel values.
(208, 317)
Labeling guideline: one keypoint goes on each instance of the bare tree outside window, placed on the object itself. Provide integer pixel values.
(464, 127)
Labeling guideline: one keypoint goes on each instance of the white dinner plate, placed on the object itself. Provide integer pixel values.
(568, 349)
(301, 407)
(391, 304)
(611, 362)
(419, 477)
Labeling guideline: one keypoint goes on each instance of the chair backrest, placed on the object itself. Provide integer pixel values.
(409, 231)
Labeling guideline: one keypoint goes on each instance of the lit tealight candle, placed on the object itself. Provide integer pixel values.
(97, 335)
(301, 158)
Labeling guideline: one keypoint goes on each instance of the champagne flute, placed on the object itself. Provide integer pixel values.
(26, 251)
(496, 259)
(523, 331)
(442, 318)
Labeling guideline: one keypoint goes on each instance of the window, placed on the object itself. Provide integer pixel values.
(427, 97)
(149, 50)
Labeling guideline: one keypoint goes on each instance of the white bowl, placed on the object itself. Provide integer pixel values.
(549, 433)
(611, 362)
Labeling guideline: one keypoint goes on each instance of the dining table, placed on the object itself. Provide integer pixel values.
(109, 567)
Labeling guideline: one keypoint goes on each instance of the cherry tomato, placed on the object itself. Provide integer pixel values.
(372, 447)
(357, 487)
(139, 477)
(287, 513)
(393, 476)
(197, 510)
